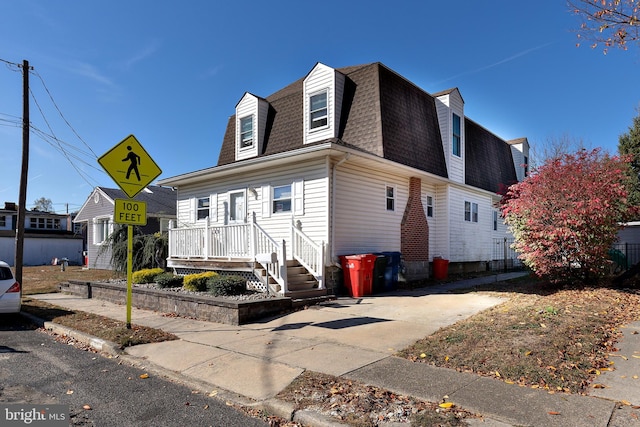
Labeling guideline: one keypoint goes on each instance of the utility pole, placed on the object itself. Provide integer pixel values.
(22, 201)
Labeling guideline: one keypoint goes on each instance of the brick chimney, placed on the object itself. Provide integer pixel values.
(414, 232)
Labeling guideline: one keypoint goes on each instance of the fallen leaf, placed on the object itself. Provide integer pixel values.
(206, 407)
(509, 382)
(497, 374)
(422, 355)
(213, 393)
(144, 376)
(553, 413)
(599, 386)
(69, 391)
(636, 356)
(542, 325)
(528, 353)
(625, 402)
(446, 405)
(446, 358)
(635, 377)
(87, 407)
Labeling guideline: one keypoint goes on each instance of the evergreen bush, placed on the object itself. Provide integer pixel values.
(168, 280)
(226, 285)
(147, 275)
(197, 282)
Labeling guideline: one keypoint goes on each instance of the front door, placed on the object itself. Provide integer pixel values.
(237, 208)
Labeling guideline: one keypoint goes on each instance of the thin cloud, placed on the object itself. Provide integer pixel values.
(141, 55)
(91, 72)
(495, 64)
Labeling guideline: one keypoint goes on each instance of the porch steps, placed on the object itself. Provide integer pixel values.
(301, 284)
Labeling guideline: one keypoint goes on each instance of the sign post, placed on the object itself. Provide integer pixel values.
(132, 169)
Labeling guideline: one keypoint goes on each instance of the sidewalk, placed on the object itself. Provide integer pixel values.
(356, 338)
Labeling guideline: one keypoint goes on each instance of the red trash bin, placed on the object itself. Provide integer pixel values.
(358, 273)
(440, 268)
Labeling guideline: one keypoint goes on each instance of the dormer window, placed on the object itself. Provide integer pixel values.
(246, 131)
(318, 115)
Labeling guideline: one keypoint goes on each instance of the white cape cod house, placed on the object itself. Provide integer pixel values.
(344, 161)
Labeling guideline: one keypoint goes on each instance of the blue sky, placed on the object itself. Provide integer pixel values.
(171, 73)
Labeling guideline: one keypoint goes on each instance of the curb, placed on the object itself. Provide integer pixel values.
(273, 406)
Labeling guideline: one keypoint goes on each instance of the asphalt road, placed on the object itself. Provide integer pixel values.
(37, 369)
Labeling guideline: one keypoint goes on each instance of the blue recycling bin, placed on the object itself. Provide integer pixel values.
(392, 272)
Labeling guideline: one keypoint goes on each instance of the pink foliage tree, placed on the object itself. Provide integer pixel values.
(566, 214)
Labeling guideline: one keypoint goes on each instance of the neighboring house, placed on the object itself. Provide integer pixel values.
(96, 215)
(47, 236)
(344, 161)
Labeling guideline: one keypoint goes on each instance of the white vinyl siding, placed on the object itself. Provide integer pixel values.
(308, 180)
(470, 241)
(362, 222)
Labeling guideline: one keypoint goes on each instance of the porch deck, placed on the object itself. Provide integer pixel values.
(247, 250)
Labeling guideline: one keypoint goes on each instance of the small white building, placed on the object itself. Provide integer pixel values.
(47, 236)
(344, 161)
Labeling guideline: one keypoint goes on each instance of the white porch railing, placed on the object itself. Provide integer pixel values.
(308, 253)
(247, 241)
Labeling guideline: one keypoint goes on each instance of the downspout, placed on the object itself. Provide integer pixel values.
(333, 203)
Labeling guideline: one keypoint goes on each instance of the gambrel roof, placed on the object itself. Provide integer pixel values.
(386, 115)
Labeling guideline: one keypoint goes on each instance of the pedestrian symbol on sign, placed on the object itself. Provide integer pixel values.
(135, 161)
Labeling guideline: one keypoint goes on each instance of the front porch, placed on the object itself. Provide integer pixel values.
(295, 270)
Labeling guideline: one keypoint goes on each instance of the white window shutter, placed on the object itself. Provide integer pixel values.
(298, 197)
(266, 201)
(213, 207)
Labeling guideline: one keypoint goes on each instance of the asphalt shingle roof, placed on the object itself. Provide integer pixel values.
(386, 115)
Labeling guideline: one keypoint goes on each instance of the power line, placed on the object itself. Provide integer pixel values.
(62, 115)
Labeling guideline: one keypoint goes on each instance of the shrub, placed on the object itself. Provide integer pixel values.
(226, 285)
(566, 214)
(168, 280)
(197, 282)
(148, 275)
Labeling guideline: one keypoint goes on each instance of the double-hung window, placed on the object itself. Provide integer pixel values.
(470, 212)
(3, 221)
(456, 141)
(430, 206)
(281, 199)
(246, 131)
(202, 209)
(318, 112)
(391, 198)
(101, 230)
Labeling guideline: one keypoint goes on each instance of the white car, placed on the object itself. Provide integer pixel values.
(9, 290)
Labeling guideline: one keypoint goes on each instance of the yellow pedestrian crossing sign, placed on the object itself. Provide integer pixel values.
(130, 166)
